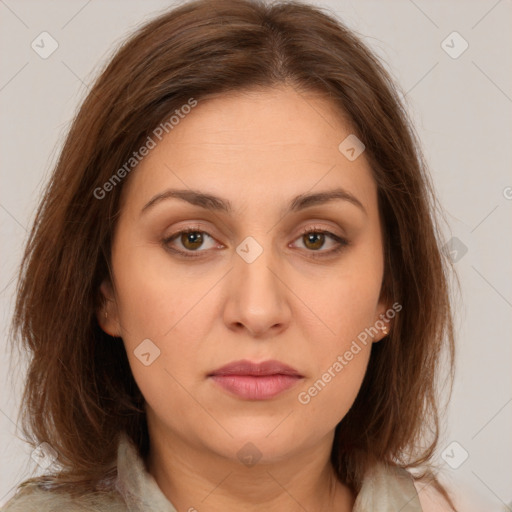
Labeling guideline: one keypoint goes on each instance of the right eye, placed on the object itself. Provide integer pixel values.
(191, 240)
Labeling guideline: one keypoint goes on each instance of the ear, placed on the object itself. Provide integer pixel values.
(107, 314)
(383, 321)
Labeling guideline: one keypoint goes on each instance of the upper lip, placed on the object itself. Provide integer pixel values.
(245, 367)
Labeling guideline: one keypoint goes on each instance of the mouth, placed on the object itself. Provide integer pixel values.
(256, 381)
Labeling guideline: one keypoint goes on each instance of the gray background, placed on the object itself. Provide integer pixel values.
(462, 110)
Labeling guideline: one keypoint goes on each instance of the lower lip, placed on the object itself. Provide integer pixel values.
(256, 388)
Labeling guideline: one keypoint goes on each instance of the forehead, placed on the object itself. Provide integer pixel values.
(294, 116)
(261, 142)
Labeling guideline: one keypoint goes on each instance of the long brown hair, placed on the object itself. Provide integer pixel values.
(80, 392)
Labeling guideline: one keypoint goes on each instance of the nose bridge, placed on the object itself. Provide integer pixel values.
(255, 262)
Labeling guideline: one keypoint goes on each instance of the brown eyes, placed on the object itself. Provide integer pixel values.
(193, 239)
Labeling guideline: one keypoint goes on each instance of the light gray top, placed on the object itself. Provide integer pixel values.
(384, 489)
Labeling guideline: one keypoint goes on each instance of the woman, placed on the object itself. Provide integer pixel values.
(233, 293)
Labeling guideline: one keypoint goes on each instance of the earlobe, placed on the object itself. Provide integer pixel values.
(107, 314)
(385, 331)
(383, 323)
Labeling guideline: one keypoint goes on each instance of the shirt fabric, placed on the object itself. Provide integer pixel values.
(384, 489)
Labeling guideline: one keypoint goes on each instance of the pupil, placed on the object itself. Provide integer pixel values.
(319, 239)
(194, 238)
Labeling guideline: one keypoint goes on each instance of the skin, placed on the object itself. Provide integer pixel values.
(256, 149)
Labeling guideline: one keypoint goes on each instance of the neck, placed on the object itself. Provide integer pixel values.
(195, 479)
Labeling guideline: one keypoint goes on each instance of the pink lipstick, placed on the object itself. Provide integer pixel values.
(256, 381)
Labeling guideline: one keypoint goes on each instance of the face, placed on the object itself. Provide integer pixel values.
(246, 283)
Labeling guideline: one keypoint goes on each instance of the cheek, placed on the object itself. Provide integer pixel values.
(154, 295)
(346, 307)
(329, 396)
(341, 356)
(340, 304)
(163, 314)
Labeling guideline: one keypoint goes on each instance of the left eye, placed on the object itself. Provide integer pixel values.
(314, 239)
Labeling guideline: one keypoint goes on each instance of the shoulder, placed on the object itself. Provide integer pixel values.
(431, 500)
(35, 498)
(387, 487)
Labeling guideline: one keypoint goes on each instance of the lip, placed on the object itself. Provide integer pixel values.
(256, 381)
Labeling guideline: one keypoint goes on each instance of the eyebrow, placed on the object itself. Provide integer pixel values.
(215, 203)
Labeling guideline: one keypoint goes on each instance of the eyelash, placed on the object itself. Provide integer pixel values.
(342, 242)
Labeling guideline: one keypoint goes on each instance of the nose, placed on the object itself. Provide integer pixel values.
(257, 296)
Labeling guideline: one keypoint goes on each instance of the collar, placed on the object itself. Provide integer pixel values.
(135, 484)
